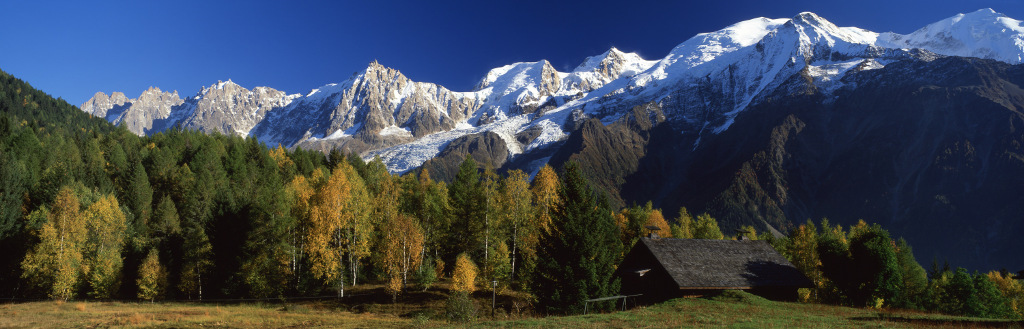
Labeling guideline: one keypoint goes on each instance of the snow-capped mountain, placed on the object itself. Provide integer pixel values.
(701, 86)
(983, 33)
(225, 107)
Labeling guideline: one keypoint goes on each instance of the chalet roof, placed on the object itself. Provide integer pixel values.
(698, 263)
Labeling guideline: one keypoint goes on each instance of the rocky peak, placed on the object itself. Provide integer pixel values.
(100, 103)
(511, 78)
(154, 95)
(613, 64)
(230, 108)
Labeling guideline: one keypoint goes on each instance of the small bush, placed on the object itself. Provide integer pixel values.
(425, 277)
(460, 308)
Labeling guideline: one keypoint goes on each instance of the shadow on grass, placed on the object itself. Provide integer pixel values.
(943, 323)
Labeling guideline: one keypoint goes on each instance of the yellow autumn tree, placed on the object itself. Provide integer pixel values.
(301, 193)
(359, 236)
(522, 224)
(56, 262)
(803, 253)
(464, 275)
(1012, 289)
(402, 244)
(545, 195)
(656, 219)
(106, 224)
(327, 226)
(749, 232)
(152, 281)
(280, 156)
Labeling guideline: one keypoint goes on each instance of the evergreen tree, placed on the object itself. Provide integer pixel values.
(197, 259)
(915, 280)
(467, 209)
(578, 256)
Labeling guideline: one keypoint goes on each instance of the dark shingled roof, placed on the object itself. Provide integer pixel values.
(698, 263)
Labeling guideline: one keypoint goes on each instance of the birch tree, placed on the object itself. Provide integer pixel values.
(55, 263)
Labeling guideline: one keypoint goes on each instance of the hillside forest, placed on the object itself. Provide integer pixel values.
(92, 211)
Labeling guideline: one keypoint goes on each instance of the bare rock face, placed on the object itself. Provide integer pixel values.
(100, 103)
(383, 97)
(229, 108)
(146, 114)
(225, 107)
(376, 108)
(487, 149)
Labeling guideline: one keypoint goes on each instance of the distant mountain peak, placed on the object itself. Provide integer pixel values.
(702, 84)
(984, 33)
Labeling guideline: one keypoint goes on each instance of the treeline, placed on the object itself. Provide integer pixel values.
(864, 266)
(88, 210)
(102, 213)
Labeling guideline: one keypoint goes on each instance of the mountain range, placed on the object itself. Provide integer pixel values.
(766, 122)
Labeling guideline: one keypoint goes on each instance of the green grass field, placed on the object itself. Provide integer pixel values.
(733, 310)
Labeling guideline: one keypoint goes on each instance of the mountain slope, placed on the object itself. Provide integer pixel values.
(766, 122)
(933, 150)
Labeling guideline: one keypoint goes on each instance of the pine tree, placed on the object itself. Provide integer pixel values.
(197, 260)
(467, 209)
(915, 279)
(579, 254)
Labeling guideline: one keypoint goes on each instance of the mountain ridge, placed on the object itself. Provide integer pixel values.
(743, 123)
(375, 112)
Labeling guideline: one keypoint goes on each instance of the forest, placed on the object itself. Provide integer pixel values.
(92, 211)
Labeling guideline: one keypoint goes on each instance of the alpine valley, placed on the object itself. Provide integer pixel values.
(767, 122)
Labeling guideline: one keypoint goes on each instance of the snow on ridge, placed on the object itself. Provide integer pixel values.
(984, 33)
(756, 54)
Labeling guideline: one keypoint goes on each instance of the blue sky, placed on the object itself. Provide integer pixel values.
(73, 49)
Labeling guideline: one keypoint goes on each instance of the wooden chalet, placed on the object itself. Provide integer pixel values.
(665, 268)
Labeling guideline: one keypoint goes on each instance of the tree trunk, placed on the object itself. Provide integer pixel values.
(515, 236)
(341, 263)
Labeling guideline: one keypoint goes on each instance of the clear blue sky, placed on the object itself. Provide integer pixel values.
(73, 49)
